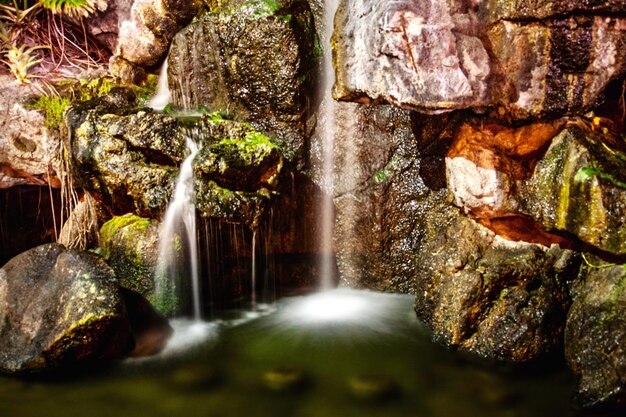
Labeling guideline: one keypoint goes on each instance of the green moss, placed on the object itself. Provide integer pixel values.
(166, 301)
(113, 226)
(53, 107)
(585, 173)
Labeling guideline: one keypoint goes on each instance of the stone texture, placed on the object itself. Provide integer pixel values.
(29, 152)
(104, 26)
(579, 187)
(539, 181)
(144, 38)
(253, 60)
(496, 298)
(388, 191)
(595, 336)
(59, 308)
(436, 56)
(128, 159)
(130, 246)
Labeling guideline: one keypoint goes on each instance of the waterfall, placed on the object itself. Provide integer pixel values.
(163, 95)
(253, 277)
(178, 246)
(327, 121)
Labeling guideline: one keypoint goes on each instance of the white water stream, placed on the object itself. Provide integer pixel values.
(327, 136)
(178, 244)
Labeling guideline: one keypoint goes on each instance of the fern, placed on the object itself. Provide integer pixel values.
(75, 8)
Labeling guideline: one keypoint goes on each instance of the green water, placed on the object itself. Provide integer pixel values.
(376, 360)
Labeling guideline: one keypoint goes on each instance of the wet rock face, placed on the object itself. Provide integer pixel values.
(388, 186)
(497, 298)
(130, 246)
(550, 177)
(252, 59)
(595, 336)
(59, 308)
(128, 159)
(436, 56)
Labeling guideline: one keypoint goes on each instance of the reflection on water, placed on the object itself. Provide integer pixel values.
(342, 353)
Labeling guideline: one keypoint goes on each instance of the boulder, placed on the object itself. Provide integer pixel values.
(496, 298)
(253, 60)
(552, 182)
(144, 38)
(130, 246)
(528, 59)
(595, 335)
(579, 187)
(60, 308)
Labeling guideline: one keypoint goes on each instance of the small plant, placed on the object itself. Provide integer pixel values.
(584, 173)
(75, 8)
(20, 60)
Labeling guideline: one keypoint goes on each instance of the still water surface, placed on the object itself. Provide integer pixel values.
(338, 354)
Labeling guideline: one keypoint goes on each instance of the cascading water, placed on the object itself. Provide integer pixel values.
(163, 96)
(178, 246)
(327, 122)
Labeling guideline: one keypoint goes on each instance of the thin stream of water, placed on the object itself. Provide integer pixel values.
(178, 246)
(327, 118)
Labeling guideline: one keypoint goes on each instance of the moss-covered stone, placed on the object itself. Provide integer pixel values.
(577, 188)
(499, 299)
(253, 58)
(130, 245)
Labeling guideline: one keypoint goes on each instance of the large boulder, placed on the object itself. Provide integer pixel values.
(60, 308)
(595, 336)
(252, 59)
(497, 298)
(528, 59)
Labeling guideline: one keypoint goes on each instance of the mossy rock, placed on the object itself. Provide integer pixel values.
(579, 187)
(130, 245)
(75, 296)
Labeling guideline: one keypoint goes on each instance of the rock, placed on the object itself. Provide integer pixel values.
(579, 187)
(534, 182)
(595, 336)
(236, 171)
(253, 60)
(60, 308)
(29, 152)
(130, 246)
(151, 330)
(144, 38)
(383, 205)
(499, 299)
(527, 59)
(104, 26)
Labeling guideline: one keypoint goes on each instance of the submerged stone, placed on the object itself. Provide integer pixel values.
(595, 336)
(60, 308)
(499, 299)
(527, 59)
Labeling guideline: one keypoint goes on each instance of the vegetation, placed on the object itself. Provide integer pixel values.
(39, 37)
